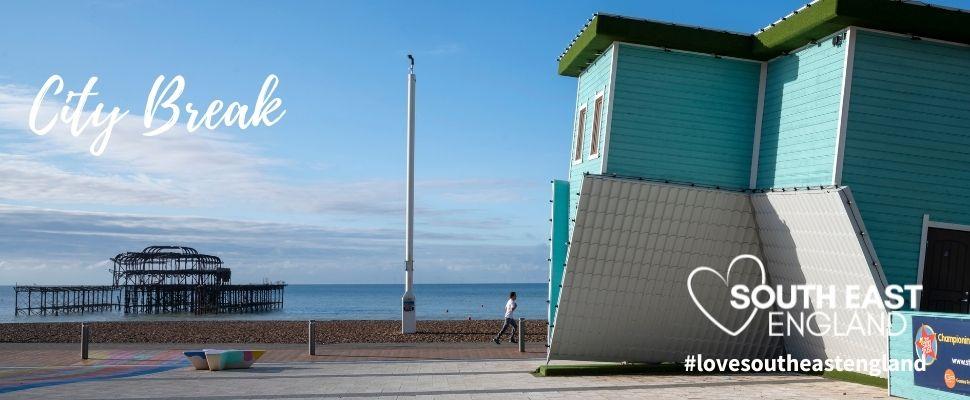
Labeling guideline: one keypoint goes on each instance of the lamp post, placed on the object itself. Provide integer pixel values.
(408, 318)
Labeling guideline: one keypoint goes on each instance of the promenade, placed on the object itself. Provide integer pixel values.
(406, 370)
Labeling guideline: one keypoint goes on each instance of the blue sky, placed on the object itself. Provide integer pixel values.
(316, 198)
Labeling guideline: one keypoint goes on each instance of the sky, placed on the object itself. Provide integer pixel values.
(318, 196)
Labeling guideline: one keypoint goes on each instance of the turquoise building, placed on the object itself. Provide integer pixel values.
(866, 98)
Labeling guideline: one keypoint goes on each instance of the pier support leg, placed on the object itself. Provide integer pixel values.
(85, 338)
(521, 335)
(311, 337)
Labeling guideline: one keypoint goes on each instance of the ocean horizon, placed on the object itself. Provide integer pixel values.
(445, 301)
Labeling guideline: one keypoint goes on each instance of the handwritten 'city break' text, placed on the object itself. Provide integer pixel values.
(162, 110)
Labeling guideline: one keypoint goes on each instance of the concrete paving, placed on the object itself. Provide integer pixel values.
(156, 374)
(68, 354)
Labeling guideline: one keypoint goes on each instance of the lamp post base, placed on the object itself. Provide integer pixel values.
(408, 318)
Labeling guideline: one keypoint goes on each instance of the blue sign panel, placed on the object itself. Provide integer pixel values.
(944, 345)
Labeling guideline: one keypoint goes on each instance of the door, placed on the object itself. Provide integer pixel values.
(946, 271)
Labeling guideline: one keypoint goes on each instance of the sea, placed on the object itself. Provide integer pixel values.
(349, 301)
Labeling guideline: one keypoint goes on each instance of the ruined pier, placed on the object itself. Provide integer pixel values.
(158, 279)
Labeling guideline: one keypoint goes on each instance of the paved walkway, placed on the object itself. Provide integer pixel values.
(68, 354)
(461, 371)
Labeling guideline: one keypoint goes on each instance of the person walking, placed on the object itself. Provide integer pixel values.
(510, 307)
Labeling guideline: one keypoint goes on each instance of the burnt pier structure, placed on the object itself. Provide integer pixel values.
(158, 279)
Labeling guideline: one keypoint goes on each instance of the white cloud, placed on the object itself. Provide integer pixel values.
(35, 242)
(26, 179)
(182, 169)
(464, 233)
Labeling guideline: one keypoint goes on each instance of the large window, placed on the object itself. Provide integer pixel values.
(580, 132)
(594, 140)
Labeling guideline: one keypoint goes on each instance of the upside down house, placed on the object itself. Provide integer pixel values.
(834, 145)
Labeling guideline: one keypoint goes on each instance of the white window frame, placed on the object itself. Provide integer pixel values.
(927, 224)
(597, 126)
(579, 133)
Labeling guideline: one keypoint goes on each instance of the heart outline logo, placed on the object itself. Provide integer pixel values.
(690, 289)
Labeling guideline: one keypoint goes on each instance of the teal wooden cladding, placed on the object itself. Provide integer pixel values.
(683, 116)
(688, 117)
(801, 117)
(907, 147)
(558, 243)
(595, 80)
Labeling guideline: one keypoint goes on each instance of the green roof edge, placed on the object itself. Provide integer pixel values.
(812, 22)
(604, 29)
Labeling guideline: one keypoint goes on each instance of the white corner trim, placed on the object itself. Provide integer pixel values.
(605, 149)
(922, 258)
(758, 115)
(844, 98)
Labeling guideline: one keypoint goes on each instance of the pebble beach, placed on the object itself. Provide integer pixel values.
(347, 331)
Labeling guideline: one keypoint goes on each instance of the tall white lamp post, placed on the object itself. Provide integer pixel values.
(408, 318)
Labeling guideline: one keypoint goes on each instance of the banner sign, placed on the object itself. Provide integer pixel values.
(944, 345)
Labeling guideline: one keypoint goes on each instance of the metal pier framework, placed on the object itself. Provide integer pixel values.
(158, 279)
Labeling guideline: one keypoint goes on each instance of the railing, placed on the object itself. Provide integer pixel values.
(148, 299)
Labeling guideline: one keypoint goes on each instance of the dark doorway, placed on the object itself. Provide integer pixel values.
(946, 271)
